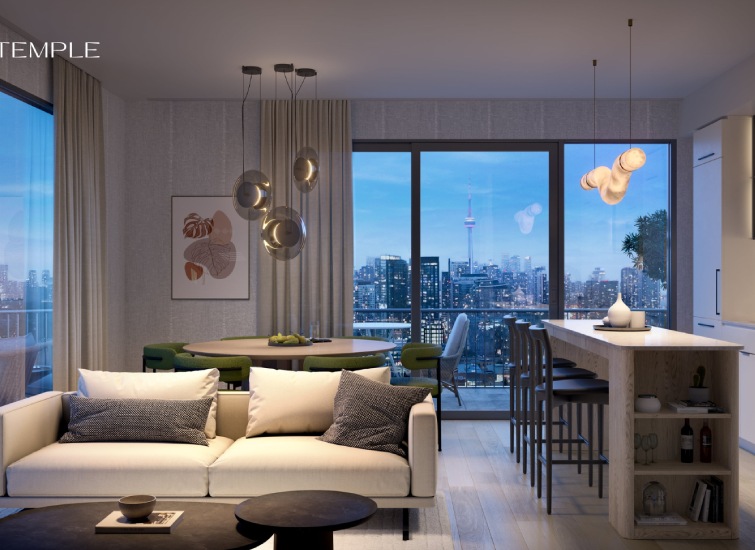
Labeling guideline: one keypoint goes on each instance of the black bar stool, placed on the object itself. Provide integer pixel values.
(532, 372)
(551, 393)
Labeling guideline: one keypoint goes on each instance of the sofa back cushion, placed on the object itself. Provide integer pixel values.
(296, 401)
(153, 385)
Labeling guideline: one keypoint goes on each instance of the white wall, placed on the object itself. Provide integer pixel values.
(731, 94)
(33, 75)
(178, 148)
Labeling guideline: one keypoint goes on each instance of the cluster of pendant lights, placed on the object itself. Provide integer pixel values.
(283, 230)
(613, 183)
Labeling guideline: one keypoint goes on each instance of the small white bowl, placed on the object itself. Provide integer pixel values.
(647, 403)
(135, 507)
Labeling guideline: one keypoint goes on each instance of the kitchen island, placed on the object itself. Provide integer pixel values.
(660, 362)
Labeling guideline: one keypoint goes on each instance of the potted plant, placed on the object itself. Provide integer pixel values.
(698, 392)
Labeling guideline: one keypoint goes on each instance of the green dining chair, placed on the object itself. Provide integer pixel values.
(417, 356)
(234, 369)
(330, 363)
(160, 356)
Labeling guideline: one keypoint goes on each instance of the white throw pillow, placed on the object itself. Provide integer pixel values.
(154, 385)
(296, 401)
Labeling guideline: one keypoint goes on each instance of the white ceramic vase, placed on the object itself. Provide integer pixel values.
(619, 314)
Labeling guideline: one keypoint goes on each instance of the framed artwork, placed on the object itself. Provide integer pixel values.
(209, 250)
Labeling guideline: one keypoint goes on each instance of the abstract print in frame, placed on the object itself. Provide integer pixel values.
(210, 250)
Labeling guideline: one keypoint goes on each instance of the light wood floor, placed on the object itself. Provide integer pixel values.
(491, 505)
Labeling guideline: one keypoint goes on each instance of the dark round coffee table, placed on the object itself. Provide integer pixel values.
(305, 519)
(208, 525)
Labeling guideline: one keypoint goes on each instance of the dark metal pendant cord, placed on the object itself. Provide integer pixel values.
(594, 113)
(630, 82)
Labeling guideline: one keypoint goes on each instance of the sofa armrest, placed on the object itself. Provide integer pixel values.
(423, 448)
(27, 426)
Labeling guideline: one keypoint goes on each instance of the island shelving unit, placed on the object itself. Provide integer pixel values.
(661, 362)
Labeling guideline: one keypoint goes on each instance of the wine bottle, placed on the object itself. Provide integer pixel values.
(706, 443)
(687, 441)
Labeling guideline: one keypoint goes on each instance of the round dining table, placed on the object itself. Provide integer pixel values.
(258, 349)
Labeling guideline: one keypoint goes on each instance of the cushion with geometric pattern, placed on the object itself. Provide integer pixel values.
(372, 415)
(168, 420)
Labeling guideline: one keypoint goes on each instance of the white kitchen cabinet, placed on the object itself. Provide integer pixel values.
(723, 249)
(706, 234)
(707, 143)
(710, 328)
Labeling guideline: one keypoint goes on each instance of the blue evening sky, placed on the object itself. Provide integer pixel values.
(26, 188)
(503, 184)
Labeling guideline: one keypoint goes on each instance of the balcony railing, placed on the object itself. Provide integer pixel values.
(38, 322)
(483, 363)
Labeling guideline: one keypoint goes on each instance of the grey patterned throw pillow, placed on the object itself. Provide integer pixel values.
(175, 420)
(370, 415)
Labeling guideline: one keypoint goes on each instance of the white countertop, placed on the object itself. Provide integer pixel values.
(655, 338)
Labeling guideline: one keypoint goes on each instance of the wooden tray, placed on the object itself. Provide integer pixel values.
(622, 329)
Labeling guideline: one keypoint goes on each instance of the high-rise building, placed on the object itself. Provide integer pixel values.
(541, 295)
(446, 285)
(392, 281)
(365, 295)
(515, 264)
(429, 282)
(631, 293)
(598, 274)
(600, 294)
(638, 290)
(457, 269)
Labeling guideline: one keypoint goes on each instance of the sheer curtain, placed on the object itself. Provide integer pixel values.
(79, 332)
(317, 285)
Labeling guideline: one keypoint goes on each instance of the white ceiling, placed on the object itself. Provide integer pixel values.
(400, 48)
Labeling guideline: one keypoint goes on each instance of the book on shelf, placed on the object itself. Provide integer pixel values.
(665, 519)
(693, 407)
(704, 511)
(716, 512)
(698, 496)
(157, 522)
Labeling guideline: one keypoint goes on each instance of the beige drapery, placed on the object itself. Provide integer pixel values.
(317, 285)
(79, 332)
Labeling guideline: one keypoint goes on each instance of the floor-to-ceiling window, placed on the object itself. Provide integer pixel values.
(496, 228)
(26, 243)
(382, 244)
(617, 248)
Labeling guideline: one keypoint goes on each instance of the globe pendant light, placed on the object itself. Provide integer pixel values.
(283, 230)
(252, 190)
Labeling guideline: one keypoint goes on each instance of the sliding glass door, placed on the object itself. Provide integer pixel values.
(485, 215)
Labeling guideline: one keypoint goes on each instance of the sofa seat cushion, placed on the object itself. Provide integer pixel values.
(115, 469)
(269, 464)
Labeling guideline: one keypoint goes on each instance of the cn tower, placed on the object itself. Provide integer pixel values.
(469, 223)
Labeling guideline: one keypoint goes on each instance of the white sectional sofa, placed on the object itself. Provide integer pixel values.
(37, 470)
